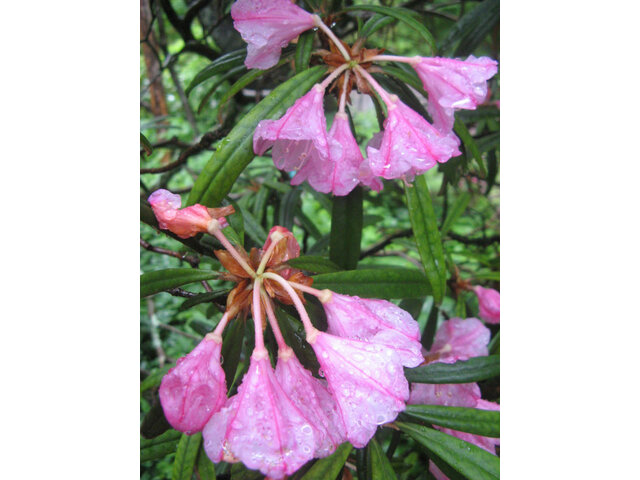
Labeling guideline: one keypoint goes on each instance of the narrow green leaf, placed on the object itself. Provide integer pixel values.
(457, 209)
(219, 81)
(146, 144)
(471, 420)
(202, 298)
(363, 463)
(314, 264)
(260, 204)
(494, 344)
(154, 378)
(235, 231)
(470, 146)
(380, 467)
(253, 227)
(295, 336)
(430, 328)
(303, 51)
(404, 15)
(427, 236)
(219, 65)
(413, 306)
(472, 28)
(240, 472)
(159, 447)
(408, 77)
(245, 80)
(308, 224)
(235, 151)
(232, 339)
(186, 457)
(469, 460)
(472, 370)
(206, 468)
(374, 24)
(288, 205)
(376, 283)
(329, 467)
(161, 280)
(321, 245)
(154, 422)
(346, 229)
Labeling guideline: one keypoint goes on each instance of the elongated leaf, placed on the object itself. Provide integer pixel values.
(186, 457)
(219, 81)
(236, 150)
(321, 246)
(472, 370)
(376, 283)
(363, 463)
(159, 447)
(202, 298)
(408, 77)
(303, 51)
(253, 227)
(231, 348)
(219, 65)
(472, 28)
(146, 145)
(380, 467)
(470, 146)
(245, 80)
(288, 206)
(314, 264)
(154, 422)
(456, 210)
(206, 468)
(154, 378)
(472, 420)
(374, 24)
(328, 468)
(427, 236)
(402, 14)
(308, 224)
(430, 328)
(161, 280)
(467, 459)
(346, 229)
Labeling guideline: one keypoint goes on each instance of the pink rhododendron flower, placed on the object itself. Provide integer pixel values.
(489, 303)
(268, 26)
(449, 395)
(195, 388)
(300, 141)
(409, 146)
(454, 84)
(260, 426)
(366, 380)
(312, 397)
(376, 321)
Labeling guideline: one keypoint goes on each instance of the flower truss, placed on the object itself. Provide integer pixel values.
(331, 161)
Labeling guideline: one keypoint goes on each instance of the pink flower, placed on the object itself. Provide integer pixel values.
(375, 321)
(454, 84)
(410, 145)
(195, 388)
(489, 303)
(366, 380)
(260, 426)
(311, 396)
(349, 166)
(300, 141)
(450, 395)
(188, 221)
(268, 26)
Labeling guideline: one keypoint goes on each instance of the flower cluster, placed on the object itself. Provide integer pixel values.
(281, 418)
(330, 161)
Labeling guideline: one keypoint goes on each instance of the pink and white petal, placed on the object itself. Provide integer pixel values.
(488, 303)
(459, 339)
(448, 395)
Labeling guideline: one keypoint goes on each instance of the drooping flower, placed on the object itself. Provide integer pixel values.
(409, 145)
(454, 84)
(268, 26)
(195, 388)
(188, 221)
(489, 304)
(366, 380)
(375, 321)
(260, 426)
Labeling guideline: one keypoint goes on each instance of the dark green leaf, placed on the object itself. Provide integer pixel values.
(186, 457)
(303, 50)
(148, 149)
(427, 236)
(219, 65)
(159, 447)
(471, 420)
(470, 146)
(154, 423)
(235, 151)
(321, 245)
(154, 378)
(380, 467)
(363, 463)
(246, 80)
(413, 306)
(455, 211)
(235, 231)
(376, 283)
(494, 344)
(346, 229)
(472, 370)
(430, 327)
(472, 28)
(314, 264)
(206, 468)
(374, 24)
(329, 467)
(231, 347)
(469, 460)
(295, 336)
(240, 472)
(219, 81)
(253, 228)
(408, 77)
(202, 298)
(161, 280)
(288, 206)
(308, 224)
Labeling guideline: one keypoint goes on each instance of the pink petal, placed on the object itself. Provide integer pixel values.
(366, 380)
(312, 398)
(454, 84)
(459, 339)
(450, 395)
(195, 388)
(489, 303)
(376, 321)
(293, 248)
(260, 426)
(436, 472)
(268, 26)
(410, 145)
(186, 222)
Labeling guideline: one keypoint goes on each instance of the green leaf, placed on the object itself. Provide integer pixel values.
(457, 209)
(430, 327)
(469, 460)
(404, 15)
(472, 370)
(146, 145)
(161, 280)
(154, 422)
(374, 24)
(219, 65)
(363, 463)
(329, 467)
(206, 468)
(288, 205)
(253, 227)
(346, 229)
(235, 151)
(494, 344)
(380, 467)
(154, 378)
(159, 447)
(235, 231)
(219, 81)
(307, 224)
(202, 298)
(384, 283)
(470, 146)
(303, 51)
(246, 79)
(427, 236)
(314, 264)
(409, 77)
(472, 28)
(321, 245)
(232, 339)
(471, 420)
(186, 457)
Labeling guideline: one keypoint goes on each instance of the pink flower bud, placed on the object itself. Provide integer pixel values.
(195, 388)
(459, 339)
(489, 304)
(186, 222)
(268, 26)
